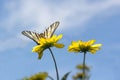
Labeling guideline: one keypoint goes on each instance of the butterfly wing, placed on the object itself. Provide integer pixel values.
(46, 34)
(33, 35)
(51, 29)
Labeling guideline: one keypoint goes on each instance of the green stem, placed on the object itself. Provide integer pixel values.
(84, 65)
(54, 63)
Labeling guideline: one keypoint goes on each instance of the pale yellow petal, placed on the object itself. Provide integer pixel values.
(90, 42)
(97, 45)
(59, 37)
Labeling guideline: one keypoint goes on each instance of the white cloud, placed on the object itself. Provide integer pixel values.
(42, 13)
(69, 12)
(18, 41)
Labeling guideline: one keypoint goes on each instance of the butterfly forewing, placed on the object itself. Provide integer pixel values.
(51, 29)
(33, 35)
(46, 34)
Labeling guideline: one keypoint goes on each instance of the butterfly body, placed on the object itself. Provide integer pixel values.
(48, 33)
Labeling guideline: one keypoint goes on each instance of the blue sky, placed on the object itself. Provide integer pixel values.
(79, 20)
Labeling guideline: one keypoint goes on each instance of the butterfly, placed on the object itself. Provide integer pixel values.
(48, 33)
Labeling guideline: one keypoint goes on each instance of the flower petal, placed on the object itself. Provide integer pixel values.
(39, 76)
(97, 45)
(73, 49)
(40, 54)
(36, 48)
(58, 37)
(92, 51)
(58, 45)
(42, 41)
(90, 42)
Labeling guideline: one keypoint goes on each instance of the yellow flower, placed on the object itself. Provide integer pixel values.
(47, 43)
(80, 67)
(39, 76)
(80, 46)
(79, 76)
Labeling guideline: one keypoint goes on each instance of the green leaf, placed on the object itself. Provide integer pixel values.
(65, 76)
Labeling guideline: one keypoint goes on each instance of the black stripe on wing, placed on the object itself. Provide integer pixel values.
(33, 35)
(51, 29)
